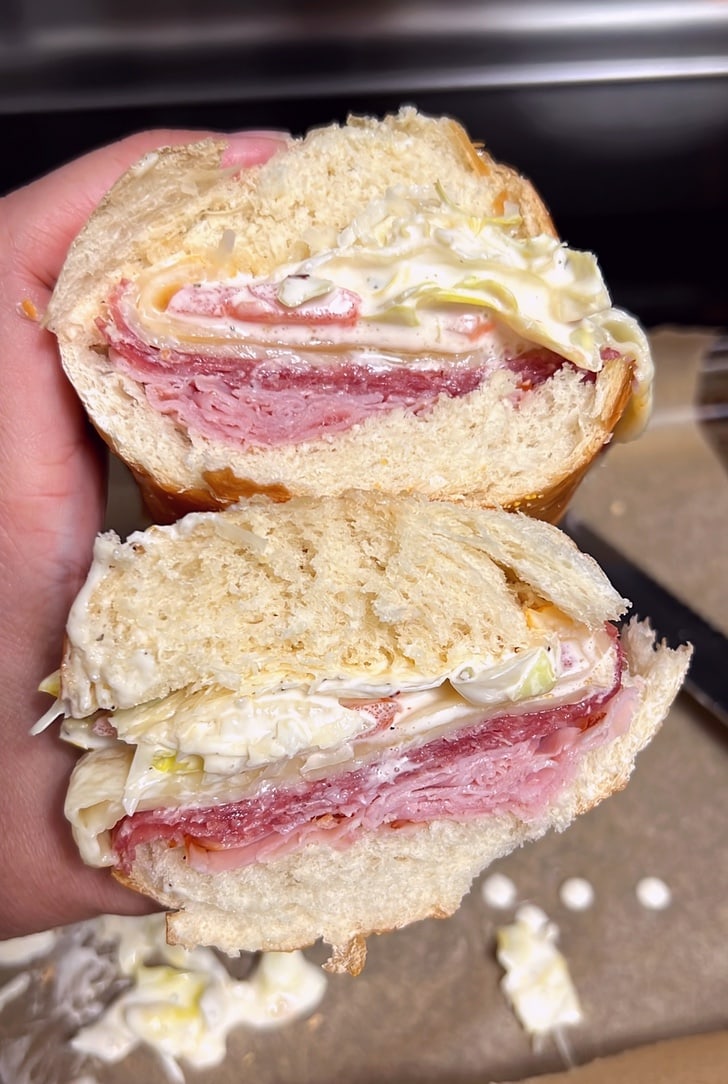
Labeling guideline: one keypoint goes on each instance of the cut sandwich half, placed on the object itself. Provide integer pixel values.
(380, 306)
(322, 719)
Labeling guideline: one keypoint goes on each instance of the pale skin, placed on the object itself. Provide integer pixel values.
(52, 500)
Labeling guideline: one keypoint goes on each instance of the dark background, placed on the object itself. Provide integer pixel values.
(618, 111)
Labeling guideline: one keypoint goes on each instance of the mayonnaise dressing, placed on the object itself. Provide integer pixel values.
(184, 1003)
(105, 987)
(537, 982)
(19, 951)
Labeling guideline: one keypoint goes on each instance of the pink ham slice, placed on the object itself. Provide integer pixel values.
(259, 304)
(509, 763)
(262, 397)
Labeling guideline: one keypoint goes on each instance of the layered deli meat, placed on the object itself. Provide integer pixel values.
(414, 300)
(236, 780)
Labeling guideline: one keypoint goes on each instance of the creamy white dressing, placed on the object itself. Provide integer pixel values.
(184, 1003)
(86, 663)
(14, 988)
(110, 985)
(653, 893)
(576, 893)
(499, 891)
(19, 951)
(430, 277)
(537, 982)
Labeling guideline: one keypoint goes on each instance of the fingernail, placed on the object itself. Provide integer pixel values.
(270, 133)
(253, 148)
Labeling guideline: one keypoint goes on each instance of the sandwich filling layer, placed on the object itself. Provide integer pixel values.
(234, 780)
(414, 300)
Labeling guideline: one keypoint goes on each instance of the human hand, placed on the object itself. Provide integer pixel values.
(52, 499)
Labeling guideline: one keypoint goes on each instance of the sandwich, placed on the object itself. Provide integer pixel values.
(380, 306)
(322, 718)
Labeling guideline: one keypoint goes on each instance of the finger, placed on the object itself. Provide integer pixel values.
(252, 148)
(44, 217)
(49, 883)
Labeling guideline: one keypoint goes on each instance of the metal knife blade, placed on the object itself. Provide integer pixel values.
(673, 620)
(712, 393)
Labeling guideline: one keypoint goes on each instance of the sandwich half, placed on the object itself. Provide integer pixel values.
(323, 718)
(380, 306)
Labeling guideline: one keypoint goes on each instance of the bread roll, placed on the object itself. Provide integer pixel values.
(380, 306)
(322, 718)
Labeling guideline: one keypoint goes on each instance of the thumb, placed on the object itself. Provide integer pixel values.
(45, 216)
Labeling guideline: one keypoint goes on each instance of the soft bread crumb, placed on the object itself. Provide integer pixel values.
(349, 958)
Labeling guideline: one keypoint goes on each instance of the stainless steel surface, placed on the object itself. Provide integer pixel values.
(713, 396)
(72, 55)
(618, 111)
